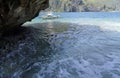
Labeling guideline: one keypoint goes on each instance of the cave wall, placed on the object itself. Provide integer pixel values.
(14, 13)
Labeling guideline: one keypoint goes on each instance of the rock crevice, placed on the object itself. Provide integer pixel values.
(14, 13)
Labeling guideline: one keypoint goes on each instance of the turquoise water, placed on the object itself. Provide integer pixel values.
(76, 45)
(82, 17)
(86, 14)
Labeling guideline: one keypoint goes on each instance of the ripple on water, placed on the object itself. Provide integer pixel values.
(74, 51)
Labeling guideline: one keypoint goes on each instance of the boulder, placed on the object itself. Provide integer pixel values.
(13, 13)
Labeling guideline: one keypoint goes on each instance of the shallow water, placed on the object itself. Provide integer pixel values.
(66, 49)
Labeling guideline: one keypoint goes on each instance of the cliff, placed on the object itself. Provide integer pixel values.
(84, 5)
(14, 13)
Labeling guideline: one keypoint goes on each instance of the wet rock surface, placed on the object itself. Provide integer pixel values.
(14, 13)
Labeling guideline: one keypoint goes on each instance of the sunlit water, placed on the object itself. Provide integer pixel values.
(77, 45)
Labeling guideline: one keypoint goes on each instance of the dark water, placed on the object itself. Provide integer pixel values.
(65, 48)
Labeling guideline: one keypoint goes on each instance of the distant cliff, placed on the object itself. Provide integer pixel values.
(84, 5)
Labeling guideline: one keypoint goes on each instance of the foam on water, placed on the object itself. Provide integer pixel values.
(86, 51)
(90, 48)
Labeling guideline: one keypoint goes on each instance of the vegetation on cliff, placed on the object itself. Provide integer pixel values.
(84, 5)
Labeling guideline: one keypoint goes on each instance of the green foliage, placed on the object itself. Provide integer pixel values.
(82, 5)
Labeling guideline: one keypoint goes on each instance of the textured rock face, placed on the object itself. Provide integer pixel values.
(14, 13)
(84, 5)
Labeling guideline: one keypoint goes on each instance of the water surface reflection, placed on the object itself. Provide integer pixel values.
(63, 50)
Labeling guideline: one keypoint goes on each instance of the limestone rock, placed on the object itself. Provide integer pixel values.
(14, 13)
(84, 5)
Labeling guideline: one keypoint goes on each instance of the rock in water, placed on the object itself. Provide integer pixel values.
(14, 13)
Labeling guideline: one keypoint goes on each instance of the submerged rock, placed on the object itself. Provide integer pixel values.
(13, 13)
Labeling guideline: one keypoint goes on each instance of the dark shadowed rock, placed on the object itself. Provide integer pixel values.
(13, 13)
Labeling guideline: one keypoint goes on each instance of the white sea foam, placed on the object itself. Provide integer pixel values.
(90, 50)
(95, 54)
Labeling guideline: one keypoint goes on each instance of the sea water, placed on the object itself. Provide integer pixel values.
(76, 45)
